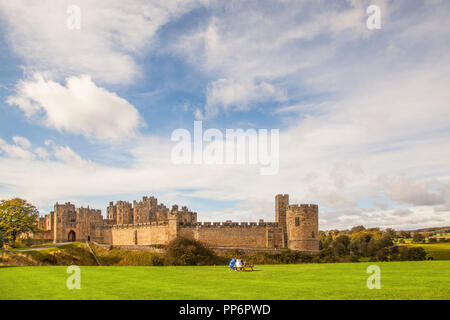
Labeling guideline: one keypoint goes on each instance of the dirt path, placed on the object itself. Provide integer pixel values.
(40, 248)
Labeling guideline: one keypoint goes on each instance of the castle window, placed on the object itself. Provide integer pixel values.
(297, 221)
(312, 234)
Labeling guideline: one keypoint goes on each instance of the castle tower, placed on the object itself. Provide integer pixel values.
(111, 212)
(281, 204)
(64, 221)
(124, 212)
(173, 223)
(145, 211)
(303, 227)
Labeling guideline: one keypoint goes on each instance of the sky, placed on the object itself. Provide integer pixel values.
(86, 115)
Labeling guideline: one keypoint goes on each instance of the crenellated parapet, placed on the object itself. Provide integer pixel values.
(229, 224)
(140, 225)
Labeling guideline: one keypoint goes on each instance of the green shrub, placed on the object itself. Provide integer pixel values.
(383, 254)
(156, 260)
(417, 254)
(18, 243)
(28, 242)
(187, 252)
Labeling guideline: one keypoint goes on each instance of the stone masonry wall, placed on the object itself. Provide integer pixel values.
(232, 234)
(143, 234)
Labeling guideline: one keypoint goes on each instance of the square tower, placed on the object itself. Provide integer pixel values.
(281, 205)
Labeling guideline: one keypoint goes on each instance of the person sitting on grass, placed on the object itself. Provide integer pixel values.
(233, 264)
(239, 264)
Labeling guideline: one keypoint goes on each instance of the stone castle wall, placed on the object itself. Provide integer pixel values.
(296, 226)
(234, 234)
(142, 234)
(231, 235)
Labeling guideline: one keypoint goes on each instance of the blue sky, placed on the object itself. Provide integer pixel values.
(86, 115)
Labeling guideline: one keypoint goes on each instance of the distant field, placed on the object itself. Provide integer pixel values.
(439, 251)
(399, 280)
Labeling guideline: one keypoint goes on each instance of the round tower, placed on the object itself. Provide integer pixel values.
(303, 227)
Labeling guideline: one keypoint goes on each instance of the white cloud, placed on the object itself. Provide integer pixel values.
(67, 155)
(112, 34)
(238, 95)
(79, 107)
(41, 153)
(18, 151)
(249, 50)
(22, 142)
(405, 190)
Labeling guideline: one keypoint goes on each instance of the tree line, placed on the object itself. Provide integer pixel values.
(370, 244)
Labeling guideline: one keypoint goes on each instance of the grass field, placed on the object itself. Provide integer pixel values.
(439, 251)
(399, 280)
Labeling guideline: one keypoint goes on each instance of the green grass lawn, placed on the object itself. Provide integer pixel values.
(399, 280)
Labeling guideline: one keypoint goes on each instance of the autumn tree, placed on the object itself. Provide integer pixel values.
(418, 237)
(17, 216)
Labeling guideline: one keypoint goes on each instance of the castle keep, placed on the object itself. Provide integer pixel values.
(147, 223)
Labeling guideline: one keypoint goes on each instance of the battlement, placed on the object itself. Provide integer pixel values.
(229, 224)
(303, 207)
(67, 205)
(140, 225)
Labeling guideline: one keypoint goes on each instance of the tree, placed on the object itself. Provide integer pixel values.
(385, 241)
(404, 234)
(372, 247)
(390, 233)
(355, 246)
(340, 245)
(357, 229)
(418, 237)
(383, 254)
(417, 254)
(17, 216)
(325, 240)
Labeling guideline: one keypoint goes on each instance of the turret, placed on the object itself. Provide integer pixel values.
(303, 227)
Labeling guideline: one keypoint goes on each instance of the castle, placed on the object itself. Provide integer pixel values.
(148, 223)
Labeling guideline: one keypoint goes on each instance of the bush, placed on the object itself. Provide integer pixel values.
(28, 242)
(418, 237)
(188, 252)
(18, 243)
(417, 254)
(156, 260)
(383, 254)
